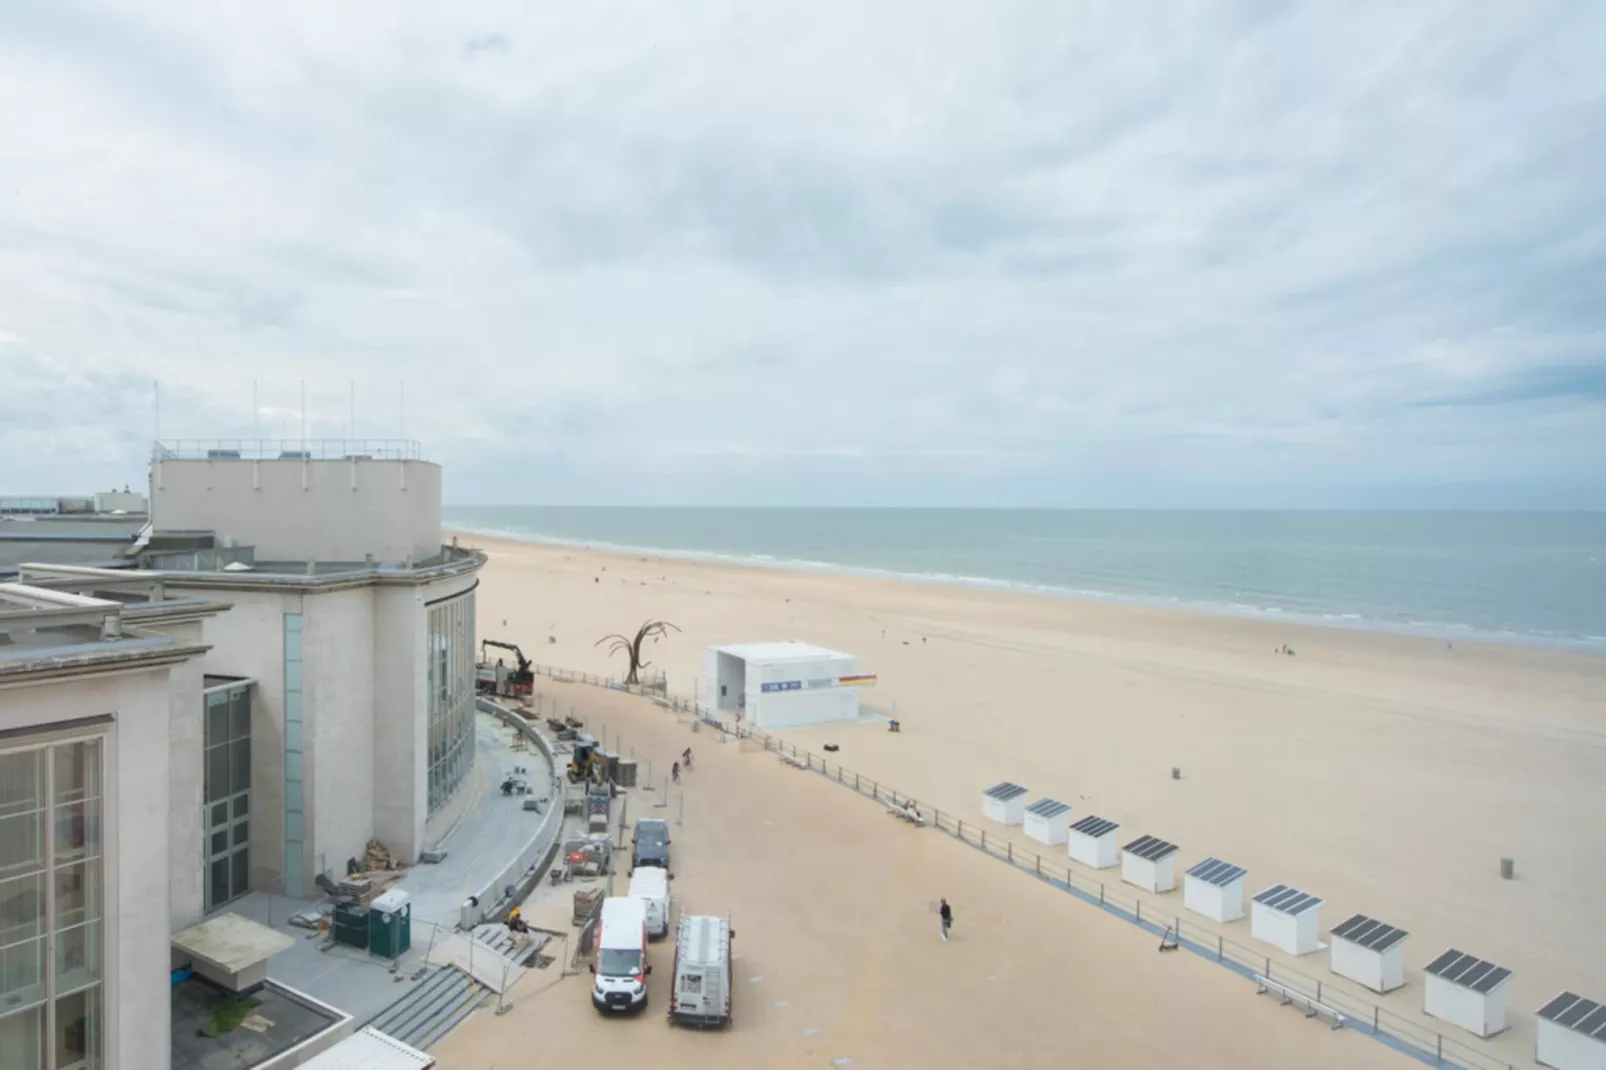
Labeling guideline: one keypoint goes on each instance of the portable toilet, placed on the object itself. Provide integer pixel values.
(1149, 863)
(1004, 803)
(1572, 1033)
(390, 924)
(1368, 951)
(1286, 918)
(1215, 889)
(1092, 842)
(1466, 990)
(1047, 821)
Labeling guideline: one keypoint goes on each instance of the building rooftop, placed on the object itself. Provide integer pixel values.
(1094, 826)
(1369, 933)
(1288, 900)
(1578, 1014)
(1048, 808)
(781, 651)
(276, 1024)
(1215, 871)
(288, 449)
(45, 628)
(1005, 791)
(1467, 971)
(1150, 848)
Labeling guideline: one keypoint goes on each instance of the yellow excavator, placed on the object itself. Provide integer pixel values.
(587, 764)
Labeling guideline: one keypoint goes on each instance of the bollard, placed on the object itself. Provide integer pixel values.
(1221, 947)
(984, 839)
(1508, 868)
(1039, 865)
(1101, 895)
(1140, 912)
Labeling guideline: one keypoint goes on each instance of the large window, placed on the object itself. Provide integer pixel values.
(228, 794)
(450, 652)
(52, 939)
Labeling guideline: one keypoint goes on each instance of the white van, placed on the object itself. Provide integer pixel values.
(651, 885)
(701, 993)
(621, 965)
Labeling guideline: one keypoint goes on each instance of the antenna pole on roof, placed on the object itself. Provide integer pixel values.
(402, 400)
(256, 428)
(303, 416)
(156, 401)
(351, 422)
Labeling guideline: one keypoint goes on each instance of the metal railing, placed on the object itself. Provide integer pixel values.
(1363, 1013)
(287, 449)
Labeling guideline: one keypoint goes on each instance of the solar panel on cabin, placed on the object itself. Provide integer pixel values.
(1575, 1014)
(1440, 964)
(1288, 900)
(1093, 825)
(1150, 848)
(1048, 808)
(1004, 791)
(1215, 871)
(1369, 933)
(1552, 1011)
(1594, 1025)
(1468, 971)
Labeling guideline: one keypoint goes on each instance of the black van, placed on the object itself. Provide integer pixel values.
(651, 843)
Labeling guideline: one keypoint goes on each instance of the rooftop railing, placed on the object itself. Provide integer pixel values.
(287, 449)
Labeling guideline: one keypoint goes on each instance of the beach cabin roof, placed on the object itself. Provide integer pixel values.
(1369, 933)
(1150, 847)
(1468, 971)
(1287, 900)
(1004, 791)
(1574, 1012)
(1094, 826)
(1048, 808)
(1215, 871)
(782, 651)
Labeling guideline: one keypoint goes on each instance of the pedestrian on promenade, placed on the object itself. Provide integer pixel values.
(947, 913)
(674, 772)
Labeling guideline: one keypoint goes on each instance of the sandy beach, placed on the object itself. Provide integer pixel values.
(1387, 774)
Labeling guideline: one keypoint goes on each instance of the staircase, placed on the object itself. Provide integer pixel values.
(432, 1009)
(499, 939)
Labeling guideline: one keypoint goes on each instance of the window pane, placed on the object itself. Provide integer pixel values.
(78, 830)
(239, 766)
(22, 974)
(292, 826)
(292, 707)
(217, 718)
(77, 770)
(292, 765)
(220, 882)
(78, 956)
(78, 1031)
(241, 864)
(217, 773)
(292, 735)
(22, 1038)
(240, 713)
(22, 908)
(22, 843)
(77, 893)
(242, 804)
(292, 795)
(220, 842)
(22, 782)
(292, 676)
(220, 814)
(242, 833)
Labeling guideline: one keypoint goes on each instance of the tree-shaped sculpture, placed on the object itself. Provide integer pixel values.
(653, 629)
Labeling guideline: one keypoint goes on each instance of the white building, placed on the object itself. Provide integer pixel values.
(1214, 889)
(1004, 803)
(1286, 918)
(1048, 821)
(1150, 863)
(1091, 841)
(783, 685)
(1572, 1034)
(1368, 951)
(1466, 990)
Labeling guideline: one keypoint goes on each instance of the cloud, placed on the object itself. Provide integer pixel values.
(1033, 253)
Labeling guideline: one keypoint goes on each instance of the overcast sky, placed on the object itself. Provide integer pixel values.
(1122, 253)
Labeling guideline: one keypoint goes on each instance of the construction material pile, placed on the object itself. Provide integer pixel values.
(586, 902)
(377, 857)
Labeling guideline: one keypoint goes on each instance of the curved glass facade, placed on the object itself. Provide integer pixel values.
(450, 651)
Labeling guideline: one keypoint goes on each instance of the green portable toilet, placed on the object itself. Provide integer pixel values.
(390, 924)
(349, 925)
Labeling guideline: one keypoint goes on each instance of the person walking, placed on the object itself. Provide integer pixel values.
(947, 913)
(674, 772)
(687, 758)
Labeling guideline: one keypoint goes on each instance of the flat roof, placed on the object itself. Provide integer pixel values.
(1095, 826)
(1467, 971)
(1286, 899)
(1369, 933)
(1150, 848)
(1005, 791)
(369, 1049)
(787, 650)
(232, 943)
(1215, 871)
(1048, 808)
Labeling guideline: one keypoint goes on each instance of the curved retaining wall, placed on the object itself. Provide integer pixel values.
(525, 869)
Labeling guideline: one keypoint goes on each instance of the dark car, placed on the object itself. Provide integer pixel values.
(651, 843)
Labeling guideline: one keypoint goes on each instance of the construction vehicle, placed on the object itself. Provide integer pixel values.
(494, 678)
(587, 764)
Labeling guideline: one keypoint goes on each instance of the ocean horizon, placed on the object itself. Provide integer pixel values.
(1520, 577)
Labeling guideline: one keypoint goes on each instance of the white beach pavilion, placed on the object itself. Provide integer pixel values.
(1572, 1033)
(1150, 863)
(783, 685)
(1004, 803)
(1287, 919)
(1091, 841)
(1047, 821)
(1466, 990)
(1366, 950)
(1214, 889)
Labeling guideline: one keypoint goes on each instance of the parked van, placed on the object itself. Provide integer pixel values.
(651, 885)
(621, 965)
(701, 994)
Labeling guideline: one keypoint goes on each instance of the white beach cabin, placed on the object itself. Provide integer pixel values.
(1466, 990)
(1572, 1033)
(1368, 951)
(1004, 803)
(1092, 842)
(1214, 889)
(1150, 863)
(1048, 820)
(1286, 918)
(783, 685)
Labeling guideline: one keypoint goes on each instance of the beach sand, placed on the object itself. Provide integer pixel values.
(1386, 774)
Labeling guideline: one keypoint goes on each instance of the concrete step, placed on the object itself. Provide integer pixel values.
(434, 1006)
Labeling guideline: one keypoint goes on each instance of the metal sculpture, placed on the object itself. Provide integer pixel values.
(653, 629)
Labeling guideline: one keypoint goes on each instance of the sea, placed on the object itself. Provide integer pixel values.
(1530, 578)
